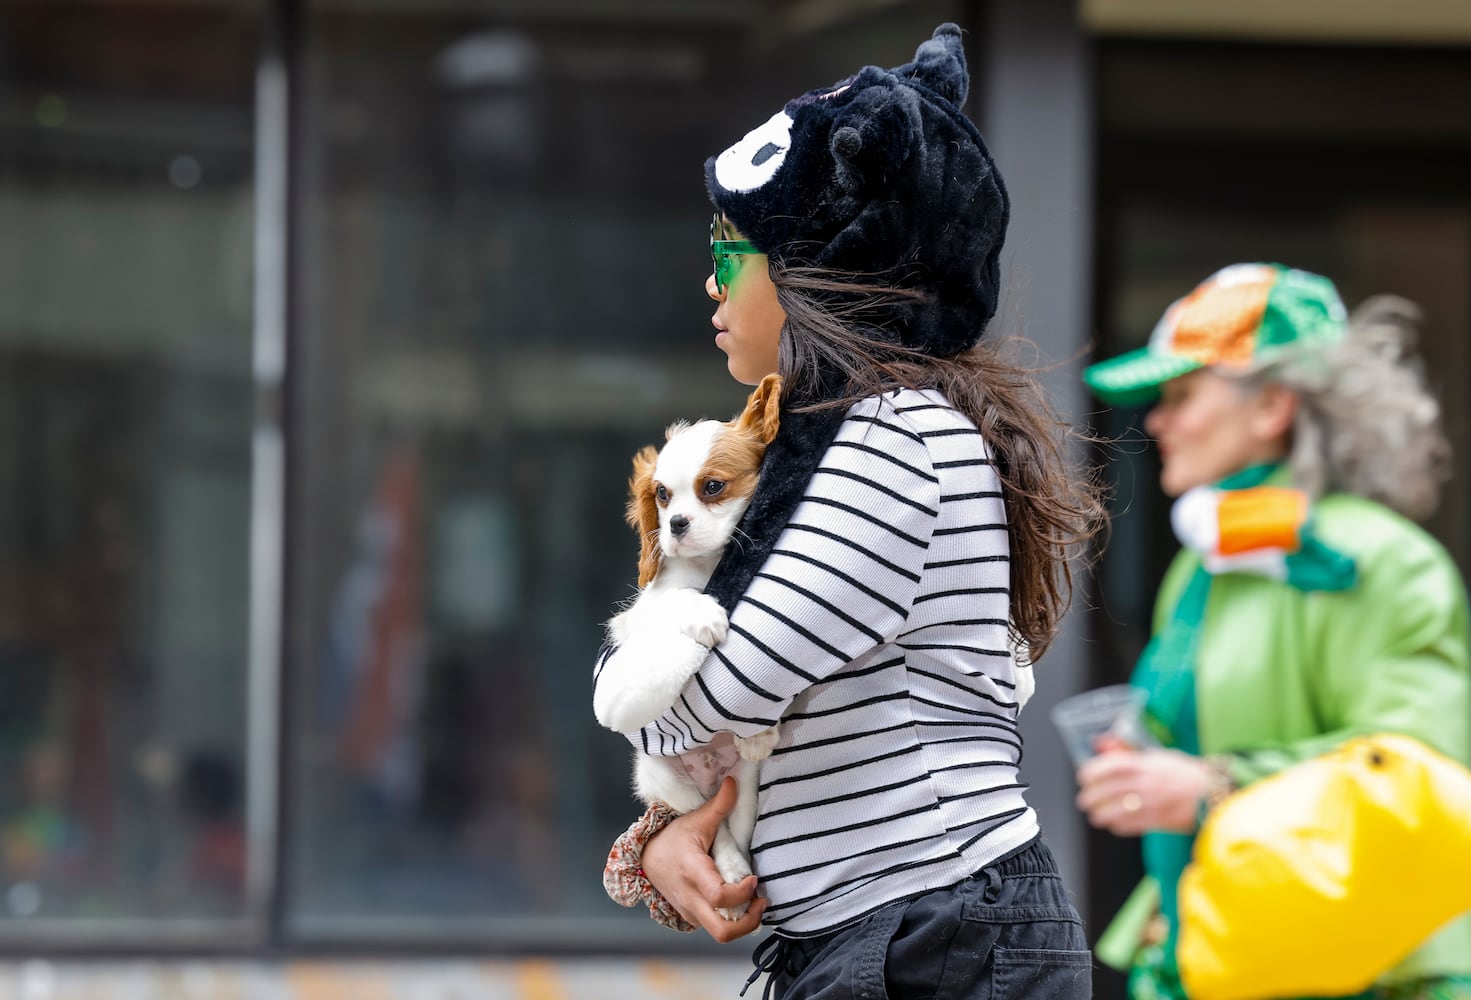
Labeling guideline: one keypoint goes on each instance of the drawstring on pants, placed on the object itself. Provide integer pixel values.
(772, 955)
(993, 884)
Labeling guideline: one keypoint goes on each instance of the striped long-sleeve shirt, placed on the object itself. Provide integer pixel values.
(876, 632)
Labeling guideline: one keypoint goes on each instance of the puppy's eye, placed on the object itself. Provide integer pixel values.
(713, 487)
(661, 493)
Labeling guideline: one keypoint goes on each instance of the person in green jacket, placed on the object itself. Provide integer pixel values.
(1306, 606)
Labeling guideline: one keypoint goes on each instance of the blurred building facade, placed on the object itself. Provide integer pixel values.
(327, 328)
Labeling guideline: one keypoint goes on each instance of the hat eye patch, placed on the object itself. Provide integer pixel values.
(754, 160)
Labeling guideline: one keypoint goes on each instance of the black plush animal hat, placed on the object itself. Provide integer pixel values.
(880, 174)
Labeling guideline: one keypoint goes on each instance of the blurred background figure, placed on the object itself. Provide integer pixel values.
(1305, 606)
(40, 842)
(327, 326)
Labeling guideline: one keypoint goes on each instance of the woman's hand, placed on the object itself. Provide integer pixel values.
(1130, 792)
(677, 862)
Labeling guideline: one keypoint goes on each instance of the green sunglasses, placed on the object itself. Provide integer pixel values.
(722, 253)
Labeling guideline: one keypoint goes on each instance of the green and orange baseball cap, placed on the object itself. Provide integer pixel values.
(1235, 319)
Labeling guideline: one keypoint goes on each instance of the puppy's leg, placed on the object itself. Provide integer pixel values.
(657, 779)
(644, 677)
(680, 609)
(666, 636)
(742, 819)
(696, 614)
(732, 849)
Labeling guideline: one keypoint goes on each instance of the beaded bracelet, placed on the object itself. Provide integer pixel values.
(623, 875)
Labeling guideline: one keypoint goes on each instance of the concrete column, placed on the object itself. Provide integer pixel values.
(1034, 74)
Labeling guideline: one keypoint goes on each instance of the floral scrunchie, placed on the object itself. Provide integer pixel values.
(623, 875)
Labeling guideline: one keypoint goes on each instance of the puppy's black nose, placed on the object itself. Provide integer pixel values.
(679, 524)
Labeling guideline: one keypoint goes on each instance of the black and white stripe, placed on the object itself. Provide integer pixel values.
(876, 631)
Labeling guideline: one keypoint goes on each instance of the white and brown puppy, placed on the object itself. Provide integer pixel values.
(685, 501)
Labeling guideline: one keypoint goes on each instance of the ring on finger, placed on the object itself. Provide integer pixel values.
(1131, 802)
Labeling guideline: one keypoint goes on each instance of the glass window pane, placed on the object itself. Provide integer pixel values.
(125, 408)
(504, 244)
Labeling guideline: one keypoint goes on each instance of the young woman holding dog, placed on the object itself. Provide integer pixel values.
(913, 521)
(1331, 615)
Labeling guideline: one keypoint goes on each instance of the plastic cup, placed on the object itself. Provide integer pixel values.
(1115, 711)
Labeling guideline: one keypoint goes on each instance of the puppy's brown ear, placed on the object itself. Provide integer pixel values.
(643, 513)
(762, 415)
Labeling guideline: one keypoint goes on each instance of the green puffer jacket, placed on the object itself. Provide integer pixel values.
(1283, 675)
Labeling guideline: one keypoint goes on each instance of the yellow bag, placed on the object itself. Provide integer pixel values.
(1317, 880)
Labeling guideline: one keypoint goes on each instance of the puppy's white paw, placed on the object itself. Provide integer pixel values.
(731, 862)
(701, 617)
(758, 747)
(733, 866)
(733, 913)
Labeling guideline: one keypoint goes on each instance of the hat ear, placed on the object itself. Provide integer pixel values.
(939, 64)
(874, 136)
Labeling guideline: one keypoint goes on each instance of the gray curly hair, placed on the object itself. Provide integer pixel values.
(1366, 422)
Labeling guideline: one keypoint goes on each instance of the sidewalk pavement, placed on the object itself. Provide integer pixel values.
(407, 979)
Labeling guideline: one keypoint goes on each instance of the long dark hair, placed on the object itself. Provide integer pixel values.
(834, 351)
